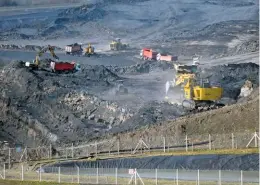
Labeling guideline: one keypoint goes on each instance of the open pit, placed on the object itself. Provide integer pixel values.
(116, 94)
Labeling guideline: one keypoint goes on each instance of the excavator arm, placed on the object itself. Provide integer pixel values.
(179, 80)
(44, 50)
(51, 49)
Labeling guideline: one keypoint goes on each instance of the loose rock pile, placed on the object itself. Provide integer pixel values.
(26, 47)
(62, 108)
(90, 107)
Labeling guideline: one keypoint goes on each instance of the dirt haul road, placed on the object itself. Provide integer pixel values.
(106, 58)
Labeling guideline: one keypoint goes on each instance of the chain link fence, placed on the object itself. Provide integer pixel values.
(133, 146)
(162, 144)
(80, 175)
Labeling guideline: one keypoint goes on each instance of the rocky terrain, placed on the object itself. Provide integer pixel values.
(60, 108)
(24, 48)
(7, 3)
(116, 92)
(172, 29)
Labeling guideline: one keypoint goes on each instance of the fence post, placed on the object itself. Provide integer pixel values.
(118, 146)
(72, 150)
(116, 176)
(50, 152)
(219, 177)
(59, 174)
(96, 148)
(26, 154)
(232, 137)
(241, 178)
(22, 173)
(186, 143)
(164, 144)
(9, 158)
(177, 177)
(135, 177)
(198, 177)
(156, 180)
(4, 171)
(255, 139)
(97, 175)
(40, 174)
(209, 142)
(78, 173)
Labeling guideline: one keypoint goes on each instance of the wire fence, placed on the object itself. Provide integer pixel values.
(134, 146)
(81, 175)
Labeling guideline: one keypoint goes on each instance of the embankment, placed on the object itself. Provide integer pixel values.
(245, 162)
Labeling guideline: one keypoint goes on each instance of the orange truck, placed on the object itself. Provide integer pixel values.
(148, 54)
(166, 57)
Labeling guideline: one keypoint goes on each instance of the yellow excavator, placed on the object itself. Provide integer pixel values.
(198, 92)
(90, 50)
(36, 63)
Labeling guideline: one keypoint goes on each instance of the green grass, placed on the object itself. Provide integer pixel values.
(121, 181)
(205, 152)
(15, 182)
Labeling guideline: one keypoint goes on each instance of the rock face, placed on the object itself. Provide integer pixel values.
(40, 101)
(247, 89)
(232, 77)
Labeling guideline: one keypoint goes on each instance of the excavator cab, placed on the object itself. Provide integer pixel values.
(199, 92)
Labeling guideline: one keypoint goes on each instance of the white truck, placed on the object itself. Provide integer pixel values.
(74, 49)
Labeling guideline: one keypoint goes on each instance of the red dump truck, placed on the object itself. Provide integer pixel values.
(64, 66)
(166, 57)
(148, 54)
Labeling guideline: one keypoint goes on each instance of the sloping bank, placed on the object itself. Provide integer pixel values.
(192, 162)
